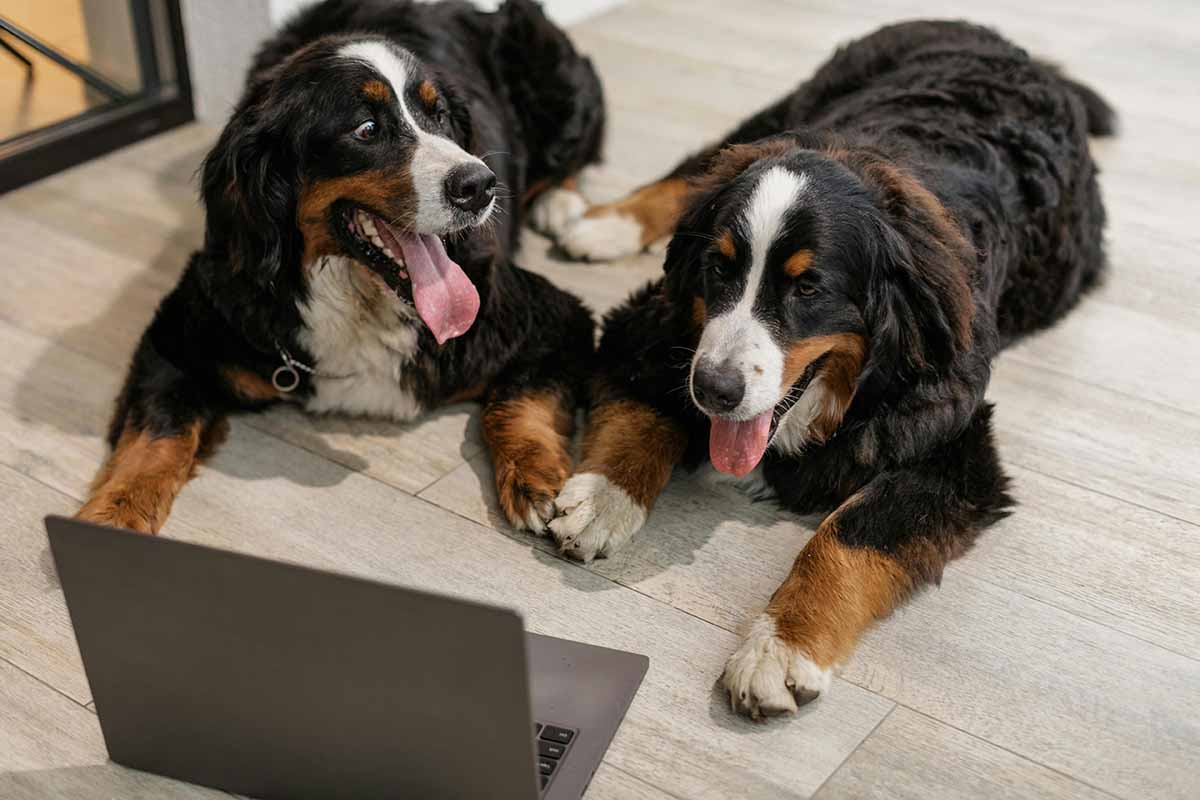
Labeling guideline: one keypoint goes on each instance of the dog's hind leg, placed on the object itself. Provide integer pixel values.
(552, 209)
(627, 226)
(162, 430)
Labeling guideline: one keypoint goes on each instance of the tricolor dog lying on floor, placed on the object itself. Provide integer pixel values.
(363, 205)
(844, 268)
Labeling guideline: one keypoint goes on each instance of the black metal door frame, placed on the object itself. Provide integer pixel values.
(158, 107)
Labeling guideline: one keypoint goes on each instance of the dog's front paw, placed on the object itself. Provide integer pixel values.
(766, 676)
(595, 517)
(603, 237)
(555, 209)
(526, 490)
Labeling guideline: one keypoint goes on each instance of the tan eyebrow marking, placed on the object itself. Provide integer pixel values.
(428, 94)
(726, 246)
(798, 262)
(376, 90)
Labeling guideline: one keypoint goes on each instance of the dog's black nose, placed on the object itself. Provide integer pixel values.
(470, 187)
(719, 389)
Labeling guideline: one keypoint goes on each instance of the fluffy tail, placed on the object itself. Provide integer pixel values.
(1101, 119)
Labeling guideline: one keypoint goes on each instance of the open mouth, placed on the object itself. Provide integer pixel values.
(412, 265)
(385, 258)
(736, 446)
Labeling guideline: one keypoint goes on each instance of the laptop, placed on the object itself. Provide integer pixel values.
(279, 681)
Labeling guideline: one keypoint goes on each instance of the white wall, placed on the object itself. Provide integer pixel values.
(222, 36)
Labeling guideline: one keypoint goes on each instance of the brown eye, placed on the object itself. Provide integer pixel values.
(721, 268)
(806, 290)
(365, 131)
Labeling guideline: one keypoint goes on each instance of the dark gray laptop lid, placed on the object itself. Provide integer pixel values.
(277, 681)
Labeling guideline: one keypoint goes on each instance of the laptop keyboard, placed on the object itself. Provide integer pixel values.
(553, 744)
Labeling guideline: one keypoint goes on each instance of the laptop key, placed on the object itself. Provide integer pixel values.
(551, 750)
(545, 779)
(546, 766)
(553, 733)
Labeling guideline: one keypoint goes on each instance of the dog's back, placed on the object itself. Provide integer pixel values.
(999, 136)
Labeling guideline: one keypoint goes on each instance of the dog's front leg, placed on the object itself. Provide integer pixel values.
(833, 593)
(889, 539)
(528, 435)
(165, 424)
(629, 451)
(137, 485)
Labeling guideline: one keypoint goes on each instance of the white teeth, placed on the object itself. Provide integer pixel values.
(367, 227)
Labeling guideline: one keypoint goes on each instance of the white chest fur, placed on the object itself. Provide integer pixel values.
(361, 338)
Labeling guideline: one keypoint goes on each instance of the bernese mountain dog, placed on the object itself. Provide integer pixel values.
(844, 268)
(362, 207)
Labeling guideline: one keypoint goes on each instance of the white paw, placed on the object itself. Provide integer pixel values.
(767, 676)
(602, 238)
(535, 519)
(554, 209)
(596, 517)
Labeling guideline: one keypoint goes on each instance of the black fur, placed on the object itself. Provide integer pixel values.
(1011, 239)
(515, 93)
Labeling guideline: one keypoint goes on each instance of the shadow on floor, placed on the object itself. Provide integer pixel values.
(683, 522)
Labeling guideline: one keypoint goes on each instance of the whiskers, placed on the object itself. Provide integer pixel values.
(503, 192)
(789, 400)
(492, 153)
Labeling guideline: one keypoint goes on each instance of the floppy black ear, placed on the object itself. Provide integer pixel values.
(919, 301)
(252, 242)
(693, 234)
(249, 189)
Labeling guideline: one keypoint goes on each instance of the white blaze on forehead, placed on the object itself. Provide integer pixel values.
(736, 338)
(773, 199)
(435, 155)
(391, 65)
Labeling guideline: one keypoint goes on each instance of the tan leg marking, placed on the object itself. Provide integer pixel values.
(656, 208)
(628, 454)
(833, 593)
(529, 441)
(633, 446)
(137, 485)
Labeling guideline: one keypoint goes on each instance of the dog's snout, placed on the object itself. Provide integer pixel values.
(470, 187)
(718, 388)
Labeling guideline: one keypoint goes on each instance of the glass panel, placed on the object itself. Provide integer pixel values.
(62, 58)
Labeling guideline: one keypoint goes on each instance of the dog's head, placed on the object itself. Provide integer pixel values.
(809, 270)
(352, 147)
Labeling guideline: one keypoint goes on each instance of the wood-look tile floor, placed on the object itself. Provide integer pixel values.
(1060, 658)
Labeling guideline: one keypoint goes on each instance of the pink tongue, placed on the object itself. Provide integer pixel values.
(736, 448)
(445, 297)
